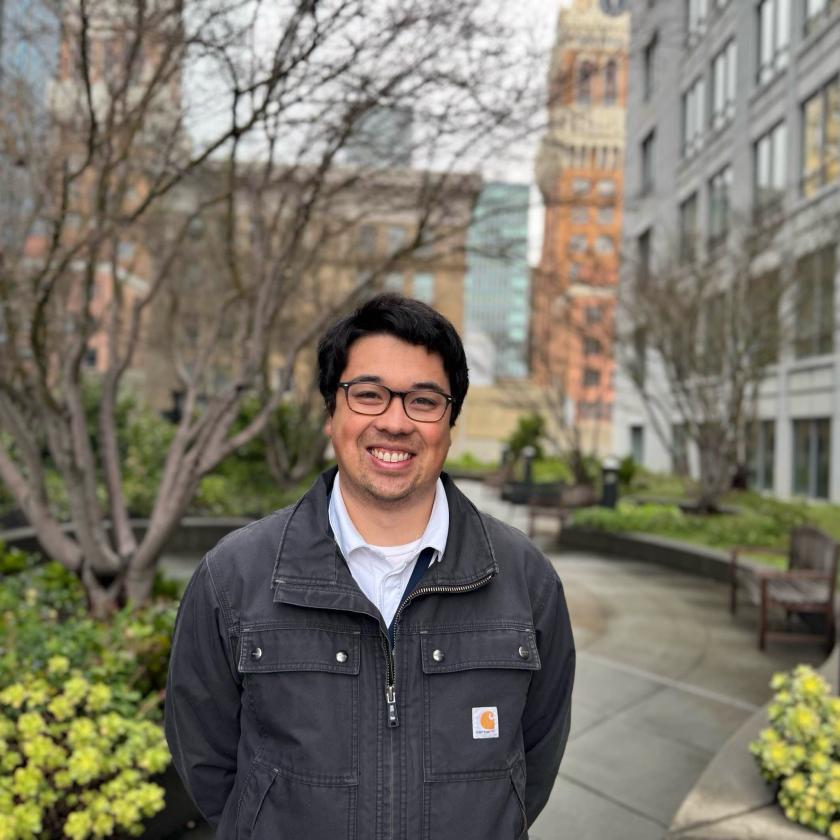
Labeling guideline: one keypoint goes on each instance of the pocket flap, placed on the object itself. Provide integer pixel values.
(466, 650)
(299, 649)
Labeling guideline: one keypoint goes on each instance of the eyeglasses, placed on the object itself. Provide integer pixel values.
(371, 398)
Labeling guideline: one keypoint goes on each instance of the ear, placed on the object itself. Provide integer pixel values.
(328, 426)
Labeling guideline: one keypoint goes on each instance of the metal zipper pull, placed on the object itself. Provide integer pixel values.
(391, 700)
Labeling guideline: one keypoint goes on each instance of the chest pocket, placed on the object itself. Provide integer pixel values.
(301, 686)
(475, 685)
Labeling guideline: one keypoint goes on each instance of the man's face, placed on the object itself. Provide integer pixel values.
(390, 459)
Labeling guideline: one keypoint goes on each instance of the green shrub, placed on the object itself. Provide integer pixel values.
(800, 750)
(659, 519)
(753, 527)
(74, 763)
(80, 710)
(551, 469)
(626, 470)
(469, 463)
(529, 431)
(13, 560)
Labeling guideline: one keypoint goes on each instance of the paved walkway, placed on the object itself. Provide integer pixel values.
(664, 677)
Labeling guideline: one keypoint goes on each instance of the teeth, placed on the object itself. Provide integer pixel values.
(390, 457)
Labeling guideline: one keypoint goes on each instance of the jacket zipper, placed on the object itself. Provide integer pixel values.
(390, 663)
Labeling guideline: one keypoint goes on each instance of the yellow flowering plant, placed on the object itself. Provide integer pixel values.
(800, 750)
(72, 765)
(81, 741)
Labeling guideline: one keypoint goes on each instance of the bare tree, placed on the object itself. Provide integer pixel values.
(698, 336)
(190, 165)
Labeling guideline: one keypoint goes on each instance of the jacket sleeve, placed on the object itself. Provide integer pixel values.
(203, 697)
(545, 725)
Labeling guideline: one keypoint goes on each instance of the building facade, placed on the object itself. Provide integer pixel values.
(734, 127)
(579, 172)
(497, 285)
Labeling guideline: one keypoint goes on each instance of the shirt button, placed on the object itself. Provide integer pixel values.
(524, 653)
(256, 653)
(341, 656)
(438, 656)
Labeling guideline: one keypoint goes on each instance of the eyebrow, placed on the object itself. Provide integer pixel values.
(416, 386)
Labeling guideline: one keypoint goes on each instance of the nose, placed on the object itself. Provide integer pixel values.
(394, 420)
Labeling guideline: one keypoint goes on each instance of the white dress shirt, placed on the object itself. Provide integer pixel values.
(383, 572)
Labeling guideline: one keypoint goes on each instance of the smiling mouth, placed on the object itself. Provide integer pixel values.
(390, 456)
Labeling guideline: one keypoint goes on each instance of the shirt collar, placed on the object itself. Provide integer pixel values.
(349, 539)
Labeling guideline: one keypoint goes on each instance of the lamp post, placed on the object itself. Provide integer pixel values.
(609, 482)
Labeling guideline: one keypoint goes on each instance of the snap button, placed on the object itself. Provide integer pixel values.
(438, 656)
(341, 656)
(524, 653)
(256, 653)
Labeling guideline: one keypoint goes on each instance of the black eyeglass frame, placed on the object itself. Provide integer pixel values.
(345, 386)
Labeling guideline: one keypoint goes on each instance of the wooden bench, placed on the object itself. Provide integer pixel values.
(806, 587)
(567, 500)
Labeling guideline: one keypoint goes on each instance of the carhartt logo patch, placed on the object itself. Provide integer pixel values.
(485, 722)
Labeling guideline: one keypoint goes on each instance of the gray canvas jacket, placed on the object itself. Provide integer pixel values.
(289, 715)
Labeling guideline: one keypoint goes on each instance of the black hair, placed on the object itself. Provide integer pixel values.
(409, 320)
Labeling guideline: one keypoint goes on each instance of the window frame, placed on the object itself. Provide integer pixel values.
(768, 197)
(719, 225)
(723, 87)
(693, 117)
(777, 25)
(814, 179)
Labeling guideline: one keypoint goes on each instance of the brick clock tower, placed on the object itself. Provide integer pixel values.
(579, 172)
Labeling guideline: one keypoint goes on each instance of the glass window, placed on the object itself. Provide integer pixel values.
(761, 326)
(606, 215)
(594, 314)
(591, 377)
(638, 366)
(649, 67)
(814, 307)
(696, 18)
(637, 444)
(606, 187)
(584, 82)
(811, 457)
(577, 244)
(773, 37)
(580, 214)
(724, 68)
(643, 249)
(424, 287)
(591, 346)
(394, 282)
(816, 10)
(770, 169)
(604, 245)
(647, 160)
(720, 187)
(581, 186)
(367, 239)
(611, 82)
(688, 228)
(679, 449)
(396, 238)
(821, 138)
(761, 454)
(693, 117)
(715, 336)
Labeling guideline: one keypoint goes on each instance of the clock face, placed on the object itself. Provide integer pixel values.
(613, 8)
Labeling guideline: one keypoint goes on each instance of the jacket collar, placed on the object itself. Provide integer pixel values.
(309, 569)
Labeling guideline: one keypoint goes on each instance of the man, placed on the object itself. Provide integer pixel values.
(379, 660)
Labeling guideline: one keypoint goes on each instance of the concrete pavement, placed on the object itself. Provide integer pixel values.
(665, 675)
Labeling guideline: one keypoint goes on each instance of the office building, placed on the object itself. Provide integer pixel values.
(496, 289)
(733, 131)
(579, 172)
